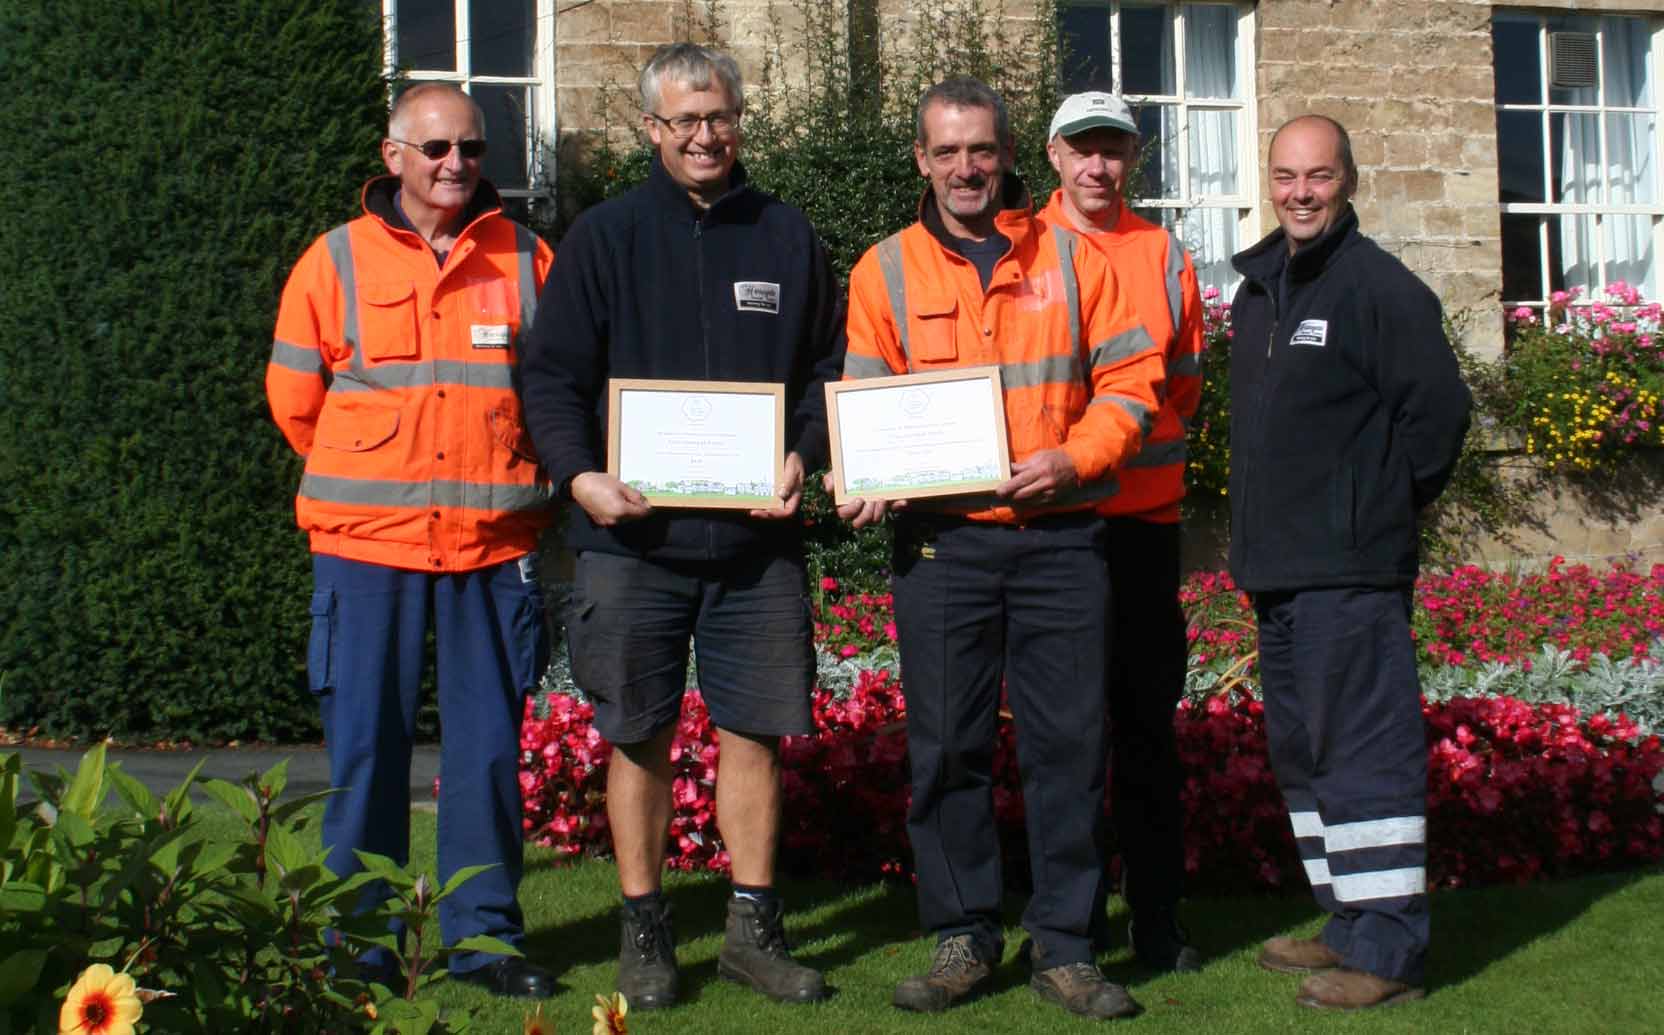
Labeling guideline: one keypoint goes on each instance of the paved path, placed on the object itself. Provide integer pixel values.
(161, 771)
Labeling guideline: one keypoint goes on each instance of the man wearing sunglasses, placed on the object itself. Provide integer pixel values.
(694, 275)
(393, 374)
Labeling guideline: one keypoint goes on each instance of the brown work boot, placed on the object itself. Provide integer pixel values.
(1343, 989)
(755, 953)
(1298, 956)
(956, 973)
(1081, 989)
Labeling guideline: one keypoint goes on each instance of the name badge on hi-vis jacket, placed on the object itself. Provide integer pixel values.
(757, 296)
(490, 335)
(1312, 333)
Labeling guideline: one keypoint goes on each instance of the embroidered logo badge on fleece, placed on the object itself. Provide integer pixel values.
(757, 296)
(1311, 333)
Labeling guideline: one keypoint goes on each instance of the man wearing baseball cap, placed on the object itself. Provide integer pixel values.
(1093, 145)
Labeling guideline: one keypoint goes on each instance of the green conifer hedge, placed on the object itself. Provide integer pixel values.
(168, 161)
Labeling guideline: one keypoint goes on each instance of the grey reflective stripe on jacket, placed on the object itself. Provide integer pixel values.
(1160, 454)
(895, 285)
(298, 358)
(1175, 283)
(457, 494)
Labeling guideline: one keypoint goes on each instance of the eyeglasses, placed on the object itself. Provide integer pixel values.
(681, 127)
(434, 150)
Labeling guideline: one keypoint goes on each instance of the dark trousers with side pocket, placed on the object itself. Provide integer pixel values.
(369, 630)
(1348, 745)
(977, 604)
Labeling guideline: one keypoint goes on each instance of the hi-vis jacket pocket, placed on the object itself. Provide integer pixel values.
(934, 328)
(387, 320)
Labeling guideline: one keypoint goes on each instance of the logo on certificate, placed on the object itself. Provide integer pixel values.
(757, 296)
(696, 408)
(914, 402)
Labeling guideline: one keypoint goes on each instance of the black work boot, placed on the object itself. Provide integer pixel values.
(647, 957)
(1161, 943)
(755, 953)
(957, 972)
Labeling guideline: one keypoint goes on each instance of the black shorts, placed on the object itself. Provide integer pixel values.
(628, 627)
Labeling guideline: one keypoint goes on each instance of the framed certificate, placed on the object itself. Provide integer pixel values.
(918, 435)
(697, 443)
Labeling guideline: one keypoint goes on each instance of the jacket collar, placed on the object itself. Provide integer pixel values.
(378, 202)
(1012, 220)
(1265, 261)
(670, 193)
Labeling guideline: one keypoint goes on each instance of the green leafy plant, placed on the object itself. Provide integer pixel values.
(226, 934)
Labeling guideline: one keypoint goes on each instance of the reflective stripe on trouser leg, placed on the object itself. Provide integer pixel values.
(1356, 688)
(490, 647)
(375, 656)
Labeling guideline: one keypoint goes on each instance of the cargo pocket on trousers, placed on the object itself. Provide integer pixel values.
(529, 653)
(320, 648)
(593, 669)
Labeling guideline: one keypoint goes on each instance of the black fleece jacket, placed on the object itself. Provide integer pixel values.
(1347, 413)
(644, 285)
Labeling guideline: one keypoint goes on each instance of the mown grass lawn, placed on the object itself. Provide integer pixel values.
(1583, 955)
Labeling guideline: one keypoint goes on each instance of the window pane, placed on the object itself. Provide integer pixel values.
(427, 35)
(1146, 50)
(1629, 164)
(1519, 153)
(1572, 258)
(1575, 140)
(1522, 258)
(500, 37)
(1628, 241)
(1212, 153)
(1157, 175)
(1209, 51)
(1624, 54)
(1516, 60)
(506, 122)
(1083, 33)
(1566, 94)
(1209, 234)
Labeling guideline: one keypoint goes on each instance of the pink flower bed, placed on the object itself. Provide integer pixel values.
(1515, 791)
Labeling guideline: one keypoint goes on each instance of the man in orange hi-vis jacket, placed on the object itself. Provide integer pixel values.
(1093, 143)
(393, 373)
(1012, 588)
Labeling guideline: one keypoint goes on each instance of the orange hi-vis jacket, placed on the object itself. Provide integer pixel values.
(395, 378)
(1079, 371)
(1159, 282)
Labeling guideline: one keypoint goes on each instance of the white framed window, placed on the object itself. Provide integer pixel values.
(1577, 152)
(1187, 70)
(503, 53)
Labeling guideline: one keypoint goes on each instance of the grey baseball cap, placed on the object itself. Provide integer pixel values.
(1091, 110)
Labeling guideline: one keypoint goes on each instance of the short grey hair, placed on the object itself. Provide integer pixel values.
(963, 92)
(692, 66)
(407, 99)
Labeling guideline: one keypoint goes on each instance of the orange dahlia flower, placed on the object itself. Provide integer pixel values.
(609, 1014)
(101, 1002)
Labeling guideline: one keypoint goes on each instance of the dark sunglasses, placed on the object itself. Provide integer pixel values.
(434, 150)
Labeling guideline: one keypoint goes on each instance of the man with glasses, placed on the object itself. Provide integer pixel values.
(694, 275)
(393, 374)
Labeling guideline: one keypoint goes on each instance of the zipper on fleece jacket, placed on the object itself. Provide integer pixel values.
(704, 334)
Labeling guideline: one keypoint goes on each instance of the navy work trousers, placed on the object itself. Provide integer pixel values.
(1348, 746)
(1146, 680)
(977, 604)
(369, 627)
